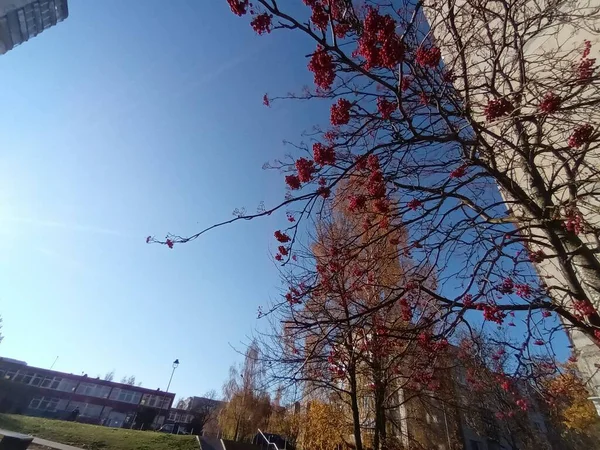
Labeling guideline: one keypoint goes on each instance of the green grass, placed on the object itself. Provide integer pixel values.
(95, 437)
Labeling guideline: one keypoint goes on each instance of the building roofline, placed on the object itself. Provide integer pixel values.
(84, 378)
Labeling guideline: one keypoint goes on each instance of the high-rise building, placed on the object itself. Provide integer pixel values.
(556, 37)
(21, 20)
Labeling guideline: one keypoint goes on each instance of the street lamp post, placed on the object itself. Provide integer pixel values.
(175, 366)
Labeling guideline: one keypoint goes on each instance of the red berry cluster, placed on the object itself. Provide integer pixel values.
(262, 23)
(467, 300)
(281, 237)
(507, 286)
(330, 135)
(321, 10)
(293, 297)
(381, 205)
(379, 44)
(497, 108)
(356, 203)
(405, 84)
(321, 65)
(376, 184)
(340, 112)
(492, 313)
(574, 222)
(537, 256)
(292, 181)
(323, 155)
(584, 308)
(306, 170)
(521, 403)
(414, 204)
(319, 16)
(459, 172)
(585, 69)
(405, 310)
(428, 57)
(238, 7)
(550, 103)
(385, 107)
(581, 135)
(523, 290)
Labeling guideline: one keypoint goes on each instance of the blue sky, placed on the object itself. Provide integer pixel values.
(130, 119)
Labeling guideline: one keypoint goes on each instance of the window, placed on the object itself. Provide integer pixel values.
(125, 395)
(37, 380)
(93, 390)
(67, 385)
(27, 377)
(50, 382)
(156, 401)
(10, 375)
(44, 403)
(102, 391)
(172, 416)
(89, 410)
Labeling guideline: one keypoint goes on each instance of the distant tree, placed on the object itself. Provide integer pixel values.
(204, 413)
(570, 406)
(248, 405)
(323, 426)
(109, 375)
(144, 418)
(130, 380)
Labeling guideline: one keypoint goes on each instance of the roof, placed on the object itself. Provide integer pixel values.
(19, 365)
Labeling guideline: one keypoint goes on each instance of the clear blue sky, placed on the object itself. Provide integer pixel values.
(133, 118)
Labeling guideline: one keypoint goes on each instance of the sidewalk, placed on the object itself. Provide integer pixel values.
(46, 443)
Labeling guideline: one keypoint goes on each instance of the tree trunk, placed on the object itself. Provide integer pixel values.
(355, 410)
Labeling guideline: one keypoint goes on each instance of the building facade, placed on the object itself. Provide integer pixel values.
(21, 20)
(41, 392)
(556, 39)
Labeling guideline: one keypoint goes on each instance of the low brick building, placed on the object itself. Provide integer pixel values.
(41, 392)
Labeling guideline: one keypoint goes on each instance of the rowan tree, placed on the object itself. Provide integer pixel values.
(425, 146)
(342, 339)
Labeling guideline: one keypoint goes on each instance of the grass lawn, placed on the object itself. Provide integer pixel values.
(95, 437)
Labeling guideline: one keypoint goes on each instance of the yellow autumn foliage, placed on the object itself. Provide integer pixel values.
(324, 427)
(572, 406)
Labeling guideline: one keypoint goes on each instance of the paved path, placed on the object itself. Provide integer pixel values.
(44, 442)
